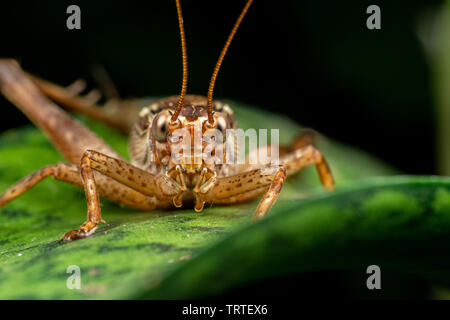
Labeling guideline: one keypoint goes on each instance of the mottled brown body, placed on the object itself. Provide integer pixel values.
(151, 180)
(161, 174)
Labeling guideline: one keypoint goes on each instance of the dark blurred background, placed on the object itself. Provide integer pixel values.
(314, 61)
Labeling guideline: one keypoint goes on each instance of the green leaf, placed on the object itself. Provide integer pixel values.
(155, 245)
(434, 31)
(400, 224)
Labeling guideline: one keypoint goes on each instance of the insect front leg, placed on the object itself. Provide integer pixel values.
(305, 138)
(300, 158)
(93, 204)
(295, 157)
(104, 186)
(160, 188)
(248, 185)
(206, 181)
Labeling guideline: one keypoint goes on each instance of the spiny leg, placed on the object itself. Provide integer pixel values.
(294, 160)
(300, 158)
(271, 195)
(68, 135)
(297, 155)
(161, 187)
(93, 205)
(206, 181)
(305, 138)
(248, 185)
(105, 83)
(76, 87)
(105, 186)
(297, 159)
(27, 183)
(114, 113)
(301, 153)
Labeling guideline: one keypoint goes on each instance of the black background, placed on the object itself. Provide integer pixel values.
(314, 61)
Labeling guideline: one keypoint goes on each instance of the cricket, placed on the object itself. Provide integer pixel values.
(153, 179)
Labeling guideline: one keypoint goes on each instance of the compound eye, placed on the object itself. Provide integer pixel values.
(160, 126)
(143, 122)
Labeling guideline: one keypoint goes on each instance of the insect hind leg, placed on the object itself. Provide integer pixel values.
(67, 134)
(61, 172)
(115, 113)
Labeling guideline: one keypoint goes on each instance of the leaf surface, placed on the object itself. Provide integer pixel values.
(142, 254)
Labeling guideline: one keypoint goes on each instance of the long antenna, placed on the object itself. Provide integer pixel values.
(185, 68)
(219, 62)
